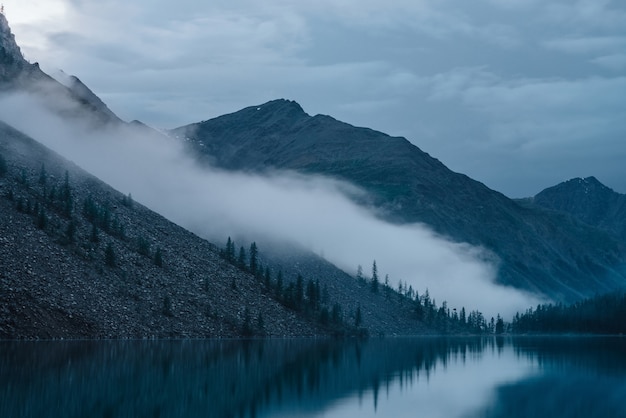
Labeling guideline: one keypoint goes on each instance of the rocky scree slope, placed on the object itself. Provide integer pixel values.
(545, 253)
(64, 276)
(79, 260)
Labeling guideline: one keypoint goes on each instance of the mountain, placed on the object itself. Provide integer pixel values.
(12, 62)
(80, 260)
(539, 251)
(588, 200)
(73, 100)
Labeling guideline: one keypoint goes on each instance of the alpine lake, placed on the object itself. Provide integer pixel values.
(561, 376)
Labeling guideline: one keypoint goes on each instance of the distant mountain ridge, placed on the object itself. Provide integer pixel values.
(590, 201)
(541, 252)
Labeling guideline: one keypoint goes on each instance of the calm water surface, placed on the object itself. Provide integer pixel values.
(413, 377)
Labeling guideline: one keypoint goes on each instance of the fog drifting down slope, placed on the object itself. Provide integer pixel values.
(314, 212)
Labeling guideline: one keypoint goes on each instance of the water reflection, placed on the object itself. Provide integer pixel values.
(446, 377)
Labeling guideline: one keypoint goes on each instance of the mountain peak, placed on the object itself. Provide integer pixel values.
(588, 200)
(583, 185)
(12, 61)
(280, 109)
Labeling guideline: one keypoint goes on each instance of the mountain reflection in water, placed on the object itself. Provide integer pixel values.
(431, 377)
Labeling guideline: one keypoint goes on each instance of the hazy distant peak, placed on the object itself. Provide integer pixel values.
(579, 185)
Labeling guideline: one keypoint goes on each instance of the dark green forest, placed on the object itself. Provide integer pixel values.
(604, 314)
(307, 297)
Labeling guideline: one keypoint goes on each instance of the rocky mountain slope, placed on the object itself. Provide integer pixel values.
(539, 251)
(589, 201)
(80, 260)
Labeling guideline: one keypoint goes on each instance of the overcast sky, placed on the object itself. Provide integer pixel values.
(518, 94)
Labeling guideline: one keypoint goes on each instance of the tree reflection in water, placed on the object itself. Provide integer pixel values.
(268, 378)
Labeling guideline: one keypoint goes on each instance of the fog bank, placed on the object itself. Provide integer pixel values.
(312, 211)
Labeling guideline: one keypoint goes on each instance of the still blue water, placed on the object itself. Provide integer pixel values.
(412, 377)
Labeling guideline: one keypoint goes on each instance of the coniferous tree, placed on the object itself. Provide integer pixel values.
(499, 325)
(70, 232)
(128, 201)
(375, 281)
(246, 328)
(229, 252)
(324, 317)
(253, 258)
(43, 178)
(357, 317)
(336, 314)
(158, 257)
(359, 273)
(241, 261)
(109, 255)
(90, 209)
(94, 233)
(260, 323)
(66, 196)
(268, 279)
(279, 284)
(52, 195)
(105, 219)
(42, 218)
(143, 246)
(3, 166)
(24, 177)
(311, 295)
(299, 292)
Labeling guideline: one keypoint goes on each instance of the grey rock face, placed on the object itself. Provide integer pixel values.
(12, 62)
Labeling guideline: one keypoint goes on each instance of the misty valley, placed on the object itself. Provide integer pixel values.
(272, 263)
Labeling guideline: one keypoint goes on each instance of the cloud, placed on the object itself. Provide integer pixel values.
(586, 14)
(556, 126)
(587, 45)
(397, 67)
(314, 212)
(615, 62)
